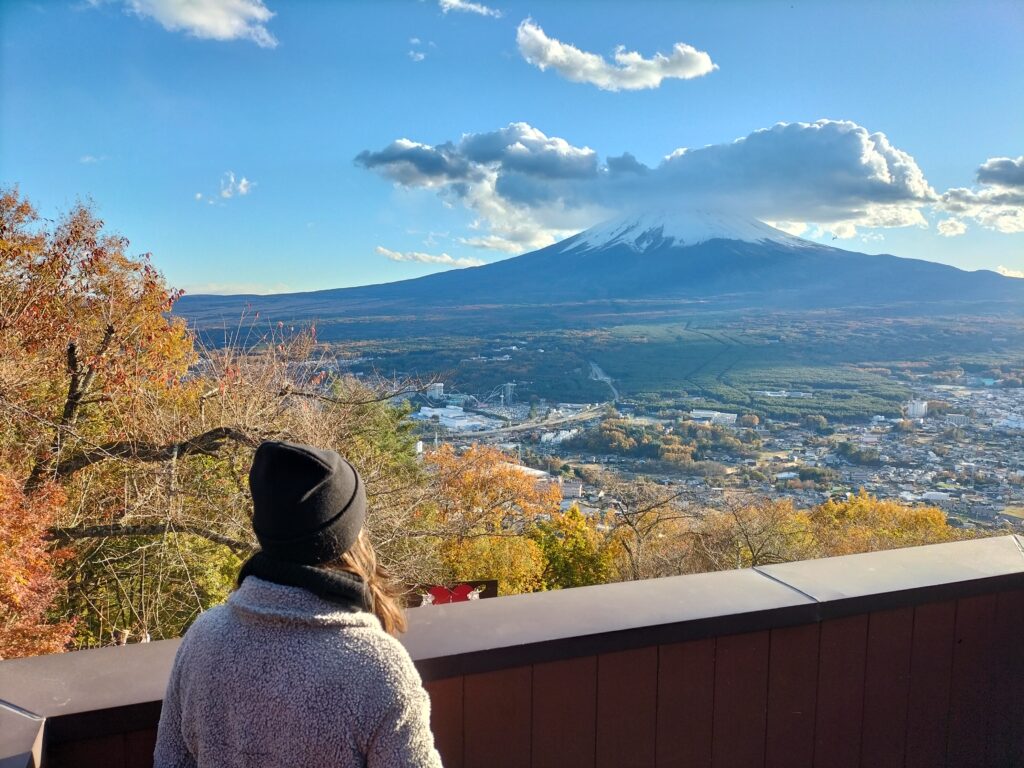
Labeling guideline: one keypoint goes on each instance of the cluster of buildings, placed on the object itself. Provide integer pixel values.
(969, 462)
(957, 447)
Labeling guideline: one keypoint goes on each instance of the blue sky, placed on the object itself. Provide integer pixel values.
(905, 127)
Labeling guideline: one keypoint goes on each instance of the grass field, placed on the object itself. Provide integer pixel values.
(854, 366)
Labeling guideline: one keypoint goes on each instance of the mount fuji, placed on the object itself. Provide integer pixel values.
(694, 258)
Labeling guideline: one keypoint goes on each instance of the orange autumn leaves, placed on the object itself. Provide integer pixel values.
(486, 506)
(27, 582)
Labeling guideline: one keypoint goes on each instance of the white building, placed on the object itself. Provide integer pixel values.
(435, 391)
(917, 409)
(715, 417)
(958, 419)
(454, 418)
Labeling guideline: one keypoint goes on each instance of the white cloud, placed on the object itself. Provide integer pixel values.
(527, 189)
(414, 41)
(417, 55)
(427, 258)
(951, 228)
(91, 159)
(1007, 272)
(629, 72)
(468, 7)
(795, 228)
(998, 203)
(211, 19)
(1003, 172)
(229, 187)
(198, 196)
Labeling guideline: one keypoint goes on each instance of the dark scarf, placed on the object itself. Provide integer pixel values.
(345, 589)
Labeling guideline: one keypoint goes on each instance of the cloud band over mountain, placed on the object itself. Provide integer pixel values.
(527, 189)
(426, 258)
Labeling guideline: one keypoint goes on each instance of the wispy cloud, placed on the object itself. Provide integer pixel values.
(1007, 272)
(208, 19)
(629, 72)
(427, 258)
(229, 187)
(466, 6)
(417, 56)
(91, 159)
(528, 189)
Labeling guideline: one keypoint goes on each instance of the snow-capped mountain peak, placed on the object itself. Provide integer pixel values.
(682, 227)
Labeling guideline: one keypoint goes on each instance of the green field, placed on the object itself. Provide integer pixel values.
(854, 366)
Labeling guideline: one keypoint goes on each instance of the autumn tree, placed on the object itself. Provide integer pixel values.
(576, 552)
(149, 436)
(747, 532)
(484, 509)
(864, 523)
(650, 528)
(28, 584)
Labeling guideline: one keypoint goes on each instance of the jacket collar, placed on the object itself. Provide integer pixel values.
(345, 589)
(266, 602)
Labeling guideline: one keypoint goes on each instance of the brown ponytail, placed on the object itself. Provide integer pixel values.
(361, 560)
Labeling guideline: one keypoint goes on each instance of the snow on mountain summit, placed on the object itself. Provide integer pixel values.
(684, 227)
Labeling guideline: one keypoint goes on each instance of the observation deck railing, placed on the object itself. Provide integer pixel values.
(911, 657)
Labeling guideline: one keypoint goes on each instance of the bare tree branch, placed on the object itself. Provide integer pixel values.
(209, 443)
(382, 397)
(105, 531)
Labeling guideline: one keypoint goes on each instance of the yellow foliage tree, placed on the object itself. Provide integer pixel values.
(577, 554)
(864, 523)
(484, 508)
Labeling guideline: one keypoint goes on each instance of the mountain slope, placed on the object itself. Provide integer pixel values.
(716, 259)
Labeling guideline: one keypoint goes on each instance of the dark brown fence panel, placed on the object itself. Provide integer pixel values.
(840, 707)
(741, 699)
(931, 669)
(792, 696)
(886, 688)
(972, 680)
(686, 697)
(1005, 747)
(104, 752)
(627, 693)
(138, 748)
(446, 719)
(565, 713)
(497, 718)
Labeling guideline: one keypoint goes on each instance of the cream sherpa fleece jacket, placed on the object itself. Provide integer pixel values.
(280, 677)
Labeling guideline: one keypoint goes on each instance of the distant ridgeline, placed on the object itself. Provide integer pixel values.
(702, 307)
(695, 259)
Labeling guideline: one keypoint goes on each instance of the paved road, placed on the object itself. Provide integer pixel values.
(545, 424)
(597, 374)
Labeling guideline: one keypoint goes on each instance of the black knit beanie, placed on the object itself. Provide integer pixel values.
(308, 504)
